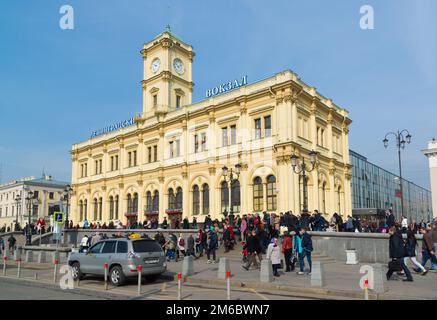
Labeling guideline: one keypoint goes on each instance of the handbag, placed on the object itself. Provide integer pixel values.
(395, 265)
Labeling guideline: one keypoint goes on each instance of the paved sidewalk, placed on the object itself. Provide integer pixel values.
(341, 279)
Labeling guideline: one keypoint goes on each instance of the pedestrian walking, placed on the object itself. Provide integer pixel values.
(287, 250)
(212, 245)
(428, 252)
(11, 243)
(397, 254)
(410, 248)
(274, 254)
(181, 245)
(303, 246)
(190, 246)
(253, 250)
(83, 243)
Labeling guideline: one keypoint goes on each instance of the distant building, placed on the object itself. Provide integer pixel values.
(431, 154)
(48, 194)
(379, 189)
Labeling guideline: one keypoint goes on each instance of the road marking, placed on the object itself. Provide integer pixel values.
(259, 294)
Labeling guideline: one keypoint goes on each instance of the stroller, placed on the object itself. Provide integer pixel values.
(245, 252)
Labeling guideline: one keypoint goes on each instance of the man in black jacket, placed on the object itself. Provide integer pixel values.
(397, 254)
(253, 249)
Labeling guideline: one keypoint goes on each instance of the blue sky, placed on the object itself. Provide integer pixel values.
(50, 78)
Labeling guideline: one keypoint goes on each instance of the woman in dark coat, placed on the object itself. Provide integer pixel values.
(397, 254)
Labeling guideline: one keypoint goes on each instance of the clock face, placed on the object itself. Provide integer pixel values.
(155, 65)
(178, 65)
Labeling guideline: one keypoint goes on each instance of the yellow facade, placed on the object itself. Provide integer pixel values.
(267, 121)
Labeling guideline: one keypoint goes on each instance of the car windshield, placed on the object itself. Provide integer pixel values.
(146, 246)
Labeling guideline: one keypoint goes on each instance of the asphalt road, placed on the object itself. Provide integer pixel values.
(92, 289)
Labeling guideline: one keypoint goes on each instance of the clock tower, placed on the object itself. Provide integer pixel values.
(167, 82)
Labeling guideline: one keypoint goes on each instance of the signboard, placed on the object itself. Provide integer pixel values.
(114, 127)
(58, 218)
(227, 86)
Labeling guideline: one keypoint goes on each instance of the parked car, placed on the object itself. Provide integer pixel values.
(122, 256)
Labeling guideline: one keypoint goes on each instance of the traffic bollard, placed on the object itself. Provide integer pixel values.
(228, 284)
(366, 289)
(5, 259)
(140, 268)
(55, 271)
(18, 268)
(179, 285)
(105, 266)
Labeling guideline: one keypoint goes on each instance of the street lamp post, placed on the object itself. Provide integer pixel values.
(17, 200)
(301, 169)
(29, 199)
(228, 175)
(67, 194)
(402, 138)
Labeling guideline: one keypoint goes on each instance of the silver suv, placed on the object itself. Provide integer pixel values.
(122, 256)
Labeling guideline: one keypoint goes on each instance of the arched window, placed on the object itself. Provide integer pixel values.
(85, 209)
(257, 194)
(271, 193)
(129, 203)
(225, 196)
(81, 210)
(179, 198)
(116, 207)
(205, 198)
(111, 208)
(148, 201)
(339, 199)
(135, 203)
(235, 196)
(196, 199)
(100, 209)
(95, 209)
(171, 199)
(156, 201)
(323, 198)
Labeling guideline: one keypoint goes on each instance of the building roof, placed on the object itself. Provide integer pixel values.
(45, 181)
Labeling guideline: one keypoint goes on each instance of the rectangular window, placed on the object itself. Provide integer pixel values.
(224, 136)
(196, 143)
(86, 169)
(135, 158)
(116, 162)
(171, 145)
(203, 138)
(149, 154)
(96, 163)
(51, 195)
(233, 134)
(178, 148)
(155, 153)
(155, 100)
(268, 126)
(257, 128)
(35, 194)
(112, 163)
(178, 101)
(129, 156)
(100, 166)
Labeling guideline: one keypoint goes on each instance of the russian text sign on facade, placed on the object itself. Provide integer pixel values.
(227, 86)
(121, 124)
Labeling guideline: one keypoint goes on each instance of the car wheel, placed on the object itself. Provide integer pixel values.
(117, 276)
(151, 278)
(75, 271)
